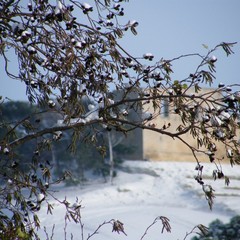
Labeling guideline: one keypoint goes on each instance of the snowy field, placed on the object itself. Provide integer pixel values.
(141, 192)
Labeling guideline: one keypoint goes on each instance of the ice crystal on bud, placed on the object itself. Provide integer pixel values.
(229, 153)
(87, 7)
(213, 59)
(40, 197)
(51, 103)
(57, 135)
(148, 56)
(26, 34)
(116, 6)
(6, 150)
(78, 45)
(125, 112)
(31, 50)
(110, 101)
(10, 182)
(59, 5)
(220, 85)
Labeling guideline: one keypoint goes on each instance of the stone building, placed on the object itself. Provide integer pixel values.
(154, 146)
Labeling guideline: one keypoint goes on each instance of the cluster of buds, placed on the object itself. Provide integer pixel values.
(57, 135)
(24, 37)
(33, 84)
(148, 56)
(125, 112)
(35, 205)
(40, 198)
(217, 174)
(30, 7)
(31, 50)
(221, 85)
(116, 7)
(152, 125)
(213, 59)
(86, 8)
(211, 156)
(71, 24)
(78, 44)
(229, 153)
(109, 23)
(59, 11)
(51, 103)
(6, 150)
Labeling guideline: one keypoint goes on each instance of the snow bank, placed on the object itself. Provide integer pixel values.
(143, 191)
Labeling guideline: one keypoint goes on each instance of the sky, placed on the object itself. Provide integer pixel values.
(169, 29)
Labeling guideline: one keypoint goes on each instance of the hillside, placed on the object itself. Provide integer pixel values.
(143, 191)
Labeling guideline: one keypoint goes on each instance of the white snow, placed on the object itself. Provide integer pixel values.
(87, 6)
(141, 192)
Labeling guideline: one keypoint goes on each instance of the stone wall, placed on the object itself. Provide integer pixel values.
(161, 147)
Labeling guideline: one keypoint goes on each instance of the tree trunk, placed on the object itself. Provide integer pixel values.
(111, 162)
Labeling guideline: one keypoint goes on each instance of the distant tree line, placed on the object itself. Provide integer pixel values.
(63, 153)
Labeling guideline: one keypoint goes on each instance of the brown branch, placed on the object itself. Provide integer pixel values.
(158, 130)
(165, 223)
(97, 229)
(29, 137)
(45, 131)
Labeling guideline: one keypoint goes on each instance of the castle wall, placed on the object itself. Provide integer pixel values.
(159, 147)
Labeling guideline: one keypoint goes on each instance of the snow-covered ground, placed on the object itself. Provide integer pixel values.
(141, 192)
